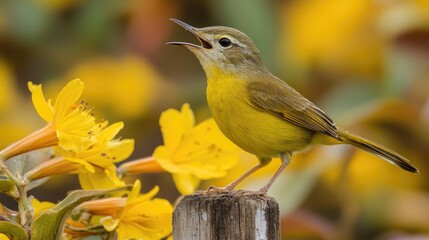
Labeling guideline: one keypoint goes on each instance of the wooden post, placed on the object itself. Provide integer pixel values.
(226, 215)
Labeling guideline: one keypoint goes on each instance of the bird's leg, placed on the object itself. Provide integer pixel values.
(244, 176)
(234, 184)
(285, 157)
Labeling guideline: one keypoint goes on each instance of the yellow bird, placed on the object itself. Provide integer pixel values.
(260, 113)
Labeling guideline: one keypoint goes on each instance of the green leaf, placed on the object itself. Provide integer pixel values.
(13, 230)
(50, 223)
(6, 185)
(25, 162)
(21, 164)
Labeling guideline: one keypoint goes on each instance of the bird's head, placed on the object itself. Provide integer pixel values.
(223, 48)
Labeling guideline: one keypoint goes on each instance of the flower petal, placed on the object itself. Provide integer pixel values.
(68, 96)
(163, 156)
(146, 220)
(120, 150)
(206, 171)
(186, 183)
(100, 179)
(72, 142)
(113, 176)
(87, 165)
(110, 132)
(39, 207)
(205, 152)
(135, 192)
(147, 196)
(175, 124)
(42, 107)
(188, 116)
(131, 231)
(109, 223)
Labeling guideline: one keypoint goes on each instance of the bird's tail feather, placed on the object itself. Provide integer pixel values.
(377, 150)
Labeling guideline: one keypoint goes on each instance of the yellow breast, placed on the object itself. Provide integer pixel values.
(255, 131)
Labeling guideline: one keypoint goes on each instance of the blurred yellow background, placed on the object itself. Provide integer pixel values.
(366, 63)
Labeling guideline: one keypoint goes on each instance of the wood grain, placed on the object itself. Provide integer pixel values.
(226, 215)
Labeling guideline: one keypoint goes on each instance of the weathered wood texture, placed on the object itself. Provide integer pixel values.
(224, 216)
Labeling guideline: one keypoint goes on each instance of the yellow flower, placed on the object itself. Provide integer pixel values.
(99, 171)
(140, 216)
(191, 153)
(95, 165)
(73, 123)
(70, 125)
(39, 207)
(3, 237)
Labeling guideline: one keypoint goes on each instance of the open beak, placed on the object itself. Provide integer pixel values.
(204, 43)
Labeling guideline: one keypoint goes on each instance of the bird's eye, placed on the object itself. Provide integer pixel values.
(225, 42)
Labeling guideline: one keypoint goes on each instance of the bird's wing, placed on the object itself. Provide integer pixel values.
(281, 100)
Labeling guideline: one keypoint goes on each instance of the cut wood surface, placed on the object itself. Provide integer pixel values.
(226, 215)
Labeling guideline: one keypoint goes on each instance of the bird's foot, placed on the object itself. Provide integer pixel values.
(251, 193)
(217, 190)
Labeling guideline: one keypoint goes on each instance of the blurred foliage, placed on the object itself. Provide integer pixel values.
(365, 62)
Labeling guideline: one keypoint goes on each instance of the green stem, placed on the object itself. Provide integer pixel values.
(25, 210)
(110, 235)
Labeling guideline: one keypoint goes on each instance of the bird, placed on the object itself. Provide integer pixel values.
(261, 113)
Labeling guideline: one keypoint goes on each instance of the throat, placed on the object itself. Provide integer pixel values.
(225, 93)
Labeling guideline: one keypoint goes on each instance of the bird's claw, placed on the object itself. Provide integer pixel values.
(218, 190)
(251, 193)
